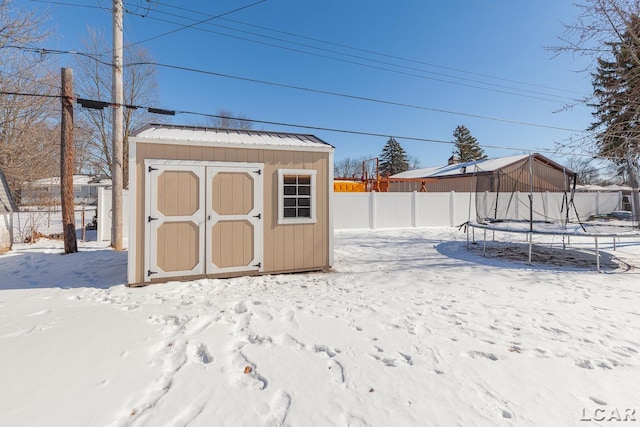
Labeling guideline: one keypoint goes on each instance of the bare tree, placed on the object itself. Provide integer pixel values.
(29, 107)
(414, 162)
(586, 168)
(226, 119)
(598, 23)
(93, 81)
(609, 32)
(349, 167)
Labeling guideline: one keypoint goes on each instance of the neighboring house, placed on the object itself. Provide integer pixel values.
(209, 202)
(46, 191)
(503, 174)
(7, 207)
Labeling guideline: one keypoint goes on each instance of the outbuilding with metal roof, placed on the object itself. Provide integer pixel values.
(210, 202)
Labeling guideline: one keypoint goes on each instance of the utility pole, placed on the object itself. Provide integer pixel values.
(66, 163)
(117, 98)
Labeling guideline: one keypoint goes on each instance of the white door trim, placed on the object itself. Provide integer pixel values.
(154, 219)
(204, 217)
(255, 217)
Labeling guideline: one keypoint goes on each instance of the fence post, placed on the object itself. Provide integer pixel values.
(545, 206)
(84, 227)
(597, 202)
(372, 210)
(620, 207)
(451, 208)
(414, 209)
(517, 203)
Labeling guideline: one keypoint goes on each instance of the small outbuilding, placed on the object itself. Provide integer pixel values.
(209, 202)
(525, 172)
(7, 207)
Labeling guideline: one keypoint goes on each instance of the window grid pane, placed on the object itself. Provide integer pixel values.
(297, 196)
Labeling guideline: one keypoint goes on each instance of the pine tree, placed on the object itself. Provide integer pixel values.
(393, 159)
(616, 85)
(467, 147)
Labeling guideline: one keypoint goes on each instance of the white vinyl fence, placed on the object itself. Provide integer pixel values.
(404, 210)
(104, 215)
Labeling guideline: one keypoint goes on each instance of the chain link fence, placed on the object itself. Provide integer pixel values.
(31, 224)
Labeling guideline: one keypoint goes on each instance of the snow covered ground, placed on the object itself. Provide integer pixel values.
(410, 329)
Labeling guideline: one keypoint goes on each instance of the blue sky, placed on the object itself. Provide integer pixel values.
(478, 64)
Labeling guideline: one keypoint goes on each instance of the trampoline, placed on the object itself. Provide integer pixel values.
(597, 231)
(525, 198)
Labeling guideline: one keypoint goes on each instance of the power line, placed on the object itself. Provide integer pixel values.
(194, 24)
(61, 3)
(211, 17)
(352, 62)
(356, 97)
(34, 95)
(345, 46)
(97, 104)
(566, 98)
(300, 88)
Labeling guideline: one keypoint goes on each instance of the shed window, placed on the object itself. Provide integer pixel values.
(296, 196)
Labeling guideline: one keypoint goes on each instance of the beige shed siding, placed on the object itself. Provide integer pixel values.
(289, 247)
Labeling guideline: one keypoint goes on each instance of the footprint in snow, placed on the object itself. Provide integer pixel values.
(290, 341)
(598, 401)
(200, 353)
(386, 361)
(287, 315)
(247, 376)
(477, 354)
(320, 348)
(406, 358)
(337, 371)
(240, 308)
(280, 404)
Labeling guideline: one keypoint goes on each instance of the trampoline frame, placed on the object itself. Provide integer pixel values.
(530, 232)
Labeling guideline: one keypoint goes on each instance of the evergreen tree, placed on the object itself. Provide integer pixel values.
(467, 147)
(616, 85)
(393, 159)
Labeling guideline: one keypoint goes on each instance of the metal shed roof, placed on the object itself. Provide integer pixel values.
(486, 165)
(180, 134)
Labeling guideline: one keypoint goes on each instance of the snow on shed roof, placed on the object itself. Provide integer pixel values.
(486, 165)
(7, 203)
(172, 134)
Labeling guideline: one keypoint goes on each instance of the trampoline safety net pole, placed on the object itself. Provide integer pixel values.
(597, 255)
(484, 244)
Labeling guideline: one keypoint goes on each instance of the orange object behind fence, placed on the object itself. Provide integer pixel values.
(348, 186)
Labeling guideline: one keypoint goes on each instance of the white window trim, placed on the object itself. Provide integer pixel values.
(281, 174)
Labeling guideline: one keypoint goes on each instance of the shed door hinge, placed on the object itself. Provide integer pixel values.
(150, 218)
(259, 216)
(259, 171)
(149, 272)
(151, 168)
(258, 265)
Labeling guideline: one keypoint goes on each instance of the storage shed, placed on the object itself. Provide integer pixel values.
(209, 202)
(7, 207)
(503, 174)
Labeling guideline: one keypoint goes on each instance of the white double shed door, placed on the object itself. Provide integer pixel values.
(202, 218)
